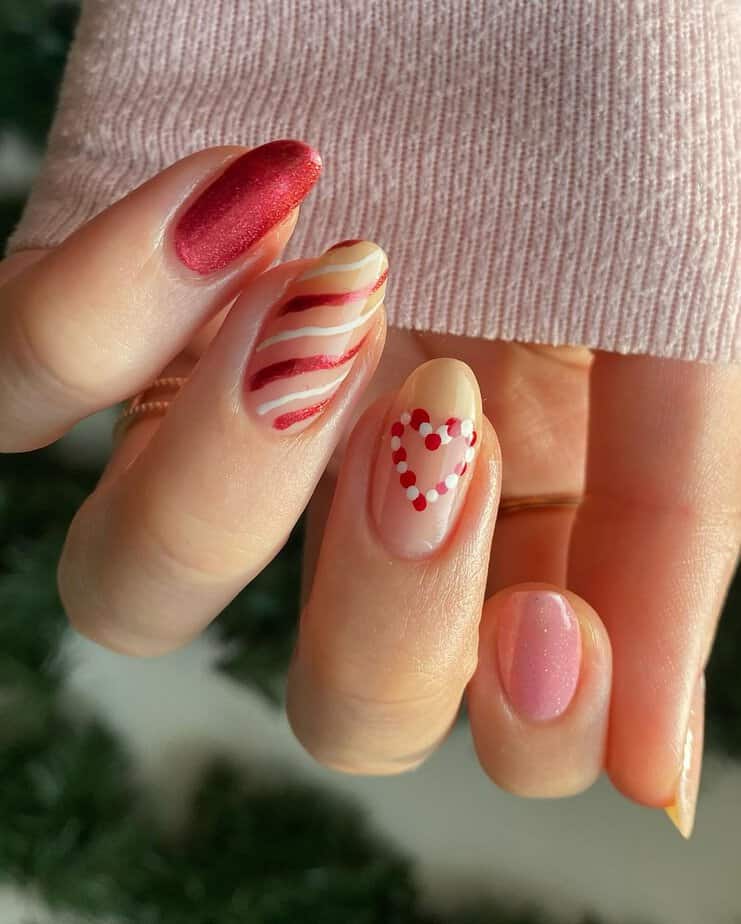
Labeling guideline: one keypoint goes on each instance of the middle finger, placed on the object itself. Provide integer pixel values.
(161, 547)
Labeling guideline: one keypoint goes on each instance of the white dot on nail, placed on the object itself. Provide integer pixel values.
(467, 427)
(405, 417)
(395, 442)
(451, 481)
(432, 495)
(401, 467)
(413, 492)
(425, 429)
(470, 453)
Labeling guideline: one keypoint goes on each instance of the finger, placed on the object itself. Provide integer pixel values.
(97, 318)
(156, 553)
(654, 546)
(388, 638)
(539, 700)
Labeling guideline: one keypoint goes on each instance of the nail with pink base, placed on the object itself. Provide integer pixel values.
(426, 458)
(539, 653)
(308, 345)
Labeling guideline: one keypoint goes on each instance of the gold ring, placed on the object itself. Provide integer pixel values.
(152, 402)
(509, 505)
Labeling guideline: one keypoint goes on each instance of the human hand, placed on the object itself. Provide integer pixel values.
(187, 512)
(652, 446)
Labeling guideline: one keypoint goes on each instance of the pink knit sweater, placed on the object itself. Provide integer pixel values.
(557, 171)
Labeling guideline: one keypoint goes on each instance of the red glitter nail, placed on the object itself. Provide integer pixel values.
(254, 194)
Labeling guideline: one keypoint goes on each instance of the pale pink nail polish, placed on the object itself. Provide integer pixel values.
(426, 458)
(539, 653)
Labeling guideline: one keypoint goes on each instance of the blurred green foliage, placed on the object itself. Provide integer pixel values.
(76, 828)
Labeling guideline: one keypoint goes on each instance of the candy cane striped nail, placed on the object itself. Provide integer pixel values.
(308, 346)
(425, 463)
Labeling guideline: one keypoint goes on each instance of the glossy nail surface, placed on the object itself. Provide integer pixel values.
(255, 193)
(426, 457)
(682, 812)
(309, 343)
(539, 653)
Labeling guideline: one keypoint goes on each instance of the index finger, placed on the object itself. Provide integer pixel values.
(96, 319)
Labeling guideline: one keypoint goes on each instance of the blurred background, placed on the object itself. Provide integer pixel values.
(172, 790)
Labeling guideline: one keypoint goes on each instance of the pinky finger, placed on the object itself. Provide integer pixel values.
(539, 699)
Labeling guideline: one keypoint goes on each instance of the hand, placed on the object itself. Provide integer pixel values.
(188, 511)
(653, 447)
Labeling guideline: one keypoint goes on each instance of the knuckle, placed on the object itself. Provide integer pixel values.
(47, 365)
(96, 600)
(193, 550)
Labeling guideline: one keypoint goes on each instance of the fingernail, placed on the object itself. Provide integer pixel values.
(682, 811)
(310, 342)
(539, 653)
(254, 194)
(426, 457)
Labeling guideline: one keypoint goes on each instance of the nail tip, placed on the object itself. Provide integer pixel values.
(683, 825)
(301, 149)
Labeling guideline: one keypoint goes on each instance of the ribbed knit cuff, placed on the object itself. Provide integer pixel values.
(549, 172)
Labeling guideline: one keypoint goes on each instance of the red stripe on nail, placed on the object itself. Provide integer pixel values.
(299, 364)
(348, 243)
(330, 299)
(380, 281)
(284, 421)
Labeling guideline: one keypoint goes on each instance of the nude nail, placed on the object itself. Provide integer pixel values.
(682, 811)
(309, 343)
(539, 653)
(426, 458)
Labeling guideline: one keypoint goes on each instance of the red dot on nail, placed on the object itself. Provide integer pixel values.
(460, 468)
(432, 441)
(419, 502)
(399, 456)
(407, 479)
(441, 488)
(397, 429)
(472, 441)
(419, 416)
(454, 426)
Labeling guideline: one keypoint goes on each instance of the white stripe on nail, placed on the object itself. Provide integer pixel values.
(326, 268)
(307, 393)
(296, 332)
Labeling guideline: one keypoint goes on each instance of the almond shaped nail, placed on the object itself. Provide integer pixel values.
(308, 345)
(682, 811)
(539, 653)
(254, 194)
(426, 458)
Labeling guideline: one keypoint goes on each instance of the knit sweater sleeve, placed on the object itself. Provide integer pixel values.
(564, 172)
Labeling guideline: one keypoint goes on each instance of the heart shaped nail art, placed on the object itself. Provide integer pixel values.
(433, 439)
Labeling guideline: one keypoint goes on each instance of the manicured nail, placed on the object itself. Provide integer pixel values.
(682, 811)
(254, 194)
(310, 342)
(425, 461)
(539, 653)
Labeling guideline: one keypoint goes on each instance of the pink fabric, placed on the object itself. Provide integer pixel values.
(559, 172)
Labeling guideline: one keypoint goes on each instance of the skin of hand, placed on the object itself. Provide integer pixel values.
(185, 514)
